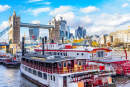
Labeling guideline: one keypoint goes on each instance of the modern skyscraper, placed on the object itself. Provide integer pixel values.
(33, 32)
(63, 28)
(80, 33)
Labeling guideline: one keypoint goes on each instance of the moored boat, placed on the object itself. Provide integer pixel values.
(56, 71)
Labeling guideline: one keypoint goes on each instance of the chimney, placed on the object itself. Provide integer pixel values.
(62, 39)
(23, 46)
(42, 46)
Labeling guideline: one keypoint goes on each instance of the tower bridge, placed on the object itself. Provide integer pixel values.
(13, 30)
(15, 24)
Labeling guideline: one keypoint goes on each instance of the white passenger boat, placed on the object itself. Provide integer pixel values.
(56, 71)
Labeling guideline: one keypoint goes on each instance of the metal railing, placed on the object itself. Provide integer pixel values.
(90, 68)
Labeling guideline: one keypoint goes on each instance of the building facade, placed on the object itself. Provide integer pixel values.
(64, 29)
(80, 33)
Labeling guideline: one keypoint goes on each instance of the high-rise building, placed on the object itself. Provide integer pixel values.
(80, 33)
(63, 28)
(71, 35)
(33, 32)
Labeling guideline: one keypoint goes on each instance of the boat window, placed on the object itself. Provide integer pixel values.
(54, 53)
(69, 63)
(77, 53)
(83, 62)
(34, 72)
(60, 64)
(58, 53)
(76, 62)
(45, 76)
(66, 54)
(61, 53)
(39, 74)
(64, 64)
(25, 68)
(82, 54)
(53, 78)
(30, 70)
(100, 54)
(79, 63)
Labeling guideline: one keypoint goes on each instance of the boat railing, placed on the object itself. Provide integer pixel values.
(89, 68)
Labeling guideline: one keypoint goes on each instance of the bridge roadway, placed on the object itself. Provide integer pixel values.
(36, 25)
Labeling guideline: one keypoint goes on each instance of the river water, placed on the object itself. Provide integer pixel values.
(12, 77)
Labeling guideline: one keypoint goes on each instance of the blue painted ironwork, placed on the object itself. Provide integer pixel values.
(4, 31)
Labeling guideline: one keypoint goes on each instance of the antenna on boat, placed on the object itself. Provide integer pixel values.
(62, 39)
(23, 46)
(42, 46)
(45, 39)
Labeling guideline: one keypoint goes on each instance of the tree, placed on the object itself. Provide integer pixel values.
(108, 44)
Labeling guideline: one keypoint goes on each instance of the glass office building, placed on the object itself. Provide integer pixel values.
(80, 33)
(33, 32)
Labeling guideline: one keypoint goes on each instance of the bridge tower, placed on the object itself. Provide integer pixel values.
(54, 32)
(14, 31)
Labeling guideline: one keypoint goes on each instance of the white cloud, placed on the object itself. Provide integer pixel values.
(106, 23)
(35, 22)
(113, 20)
(89, 9)
(61, 10)
(125, 5)
(30, 1)
(47, 3)
(38, 10)
(4, 25)
(4, 8)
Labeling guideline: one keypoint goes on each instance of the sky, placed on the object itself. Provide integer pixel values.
(96, 16)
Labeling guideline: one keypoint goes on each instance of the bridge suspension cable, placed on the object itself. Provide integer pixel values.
(4, 31)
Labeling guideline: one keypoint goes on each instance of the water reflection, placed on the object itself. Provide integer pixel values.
(11, 77)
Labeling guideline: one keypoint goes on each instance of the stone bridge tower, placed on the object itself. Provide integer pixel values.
(54, 32)
(14, 31)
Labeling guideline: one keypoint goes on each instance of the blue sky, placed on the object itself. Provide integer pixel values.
(97, 16)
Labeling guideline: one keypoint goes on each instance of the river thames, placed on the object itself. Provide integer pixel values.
(12, 77)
